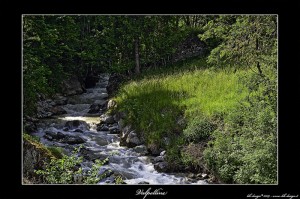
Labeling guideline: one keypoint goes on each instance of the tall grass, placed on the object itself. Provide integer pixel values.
(156, 101)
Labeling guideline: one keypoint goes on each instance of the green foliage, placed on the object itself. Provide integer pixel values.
(242, 41)
(31, 137)
(119, 179)
(192, 155)
(246, 150)
(56, 151)
(198, 129)
(67, 169)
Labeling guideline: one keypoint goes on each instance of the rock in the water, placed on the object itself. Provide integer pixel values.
(75, 124)
(143, 182)
(30, 124)
(154, 149)
(73, 140)
(107, 119)
(57, 110)
(132, 140)
(78, 130)
(121, 123)
(60, 135)
(124, 134)
(158, 159)
(142, 150)
(161, 166)
(94, 108)
(111, 104)
(102, 128)
(65, 129)
(60, 100)
(71, 86)
(163, 153)
(114, 130)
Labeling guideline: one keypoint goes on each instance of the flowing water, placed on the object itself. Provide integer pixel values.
(129, 162)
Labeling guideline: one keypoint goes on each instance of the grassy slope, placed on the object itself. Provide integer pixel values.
(190, 104)
(156, 101)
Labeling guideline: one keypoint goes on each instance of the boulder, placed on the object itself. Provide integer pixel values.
(161, 166)
(143, 182)
(72, 140)
(35, 155)
(60, 100)
(103, 127)
(107, 119)
(94, 108)
(158, 159)
(71, 86)
(163, 153)
(124, 134)
(132, 140)
(57, 110)
(75, 124)
(141, 149)
(78, 130)
(111, 104)
(154, 149)
(114, 130)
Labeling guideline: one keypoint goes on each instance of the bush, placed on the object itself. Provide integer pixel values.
(192, 155)
(199, 129)
(56, 151)
(245, 151)
(67, 170)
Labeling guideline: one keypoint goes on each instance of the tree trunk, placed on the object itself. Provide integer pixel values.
(257, 64)
(137, 56)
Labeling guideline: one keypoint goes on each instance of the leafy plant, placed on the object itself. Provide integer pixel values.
(199, 129)
(67, 170)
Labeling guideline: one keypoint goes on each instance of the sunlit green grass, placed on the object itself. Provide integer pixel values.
(156, 101)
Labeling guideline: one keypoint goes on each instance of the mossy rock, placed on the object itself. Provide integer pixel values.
(34, 157)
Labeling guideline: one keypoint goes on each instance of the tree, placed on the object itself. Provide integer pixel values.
(246, 41)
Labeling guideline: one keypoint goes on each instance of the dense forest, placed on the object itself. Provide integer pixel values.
(198, 91)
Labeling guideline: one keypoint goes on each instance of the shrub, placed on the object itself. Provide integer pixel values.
(198, 129)
(67, 170)
(192, 155)
(245, 151)
(56, 151)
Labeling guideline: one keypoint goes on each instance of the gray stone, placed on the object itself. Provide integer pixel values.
(78, 130)
(111, 104)
(74, 124)
(163, 153)
(94, 108)
(107, 119)
(60, 100)
(161, 167)
(71, 86)
(114, 130)
(154, 149)
(124, 134)
(121, 123)
(132, 140)
(142, 150)
(73, 140)
(60, 135)
(57, 110)
(102, 128)
(143, 182)
(158, 159)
